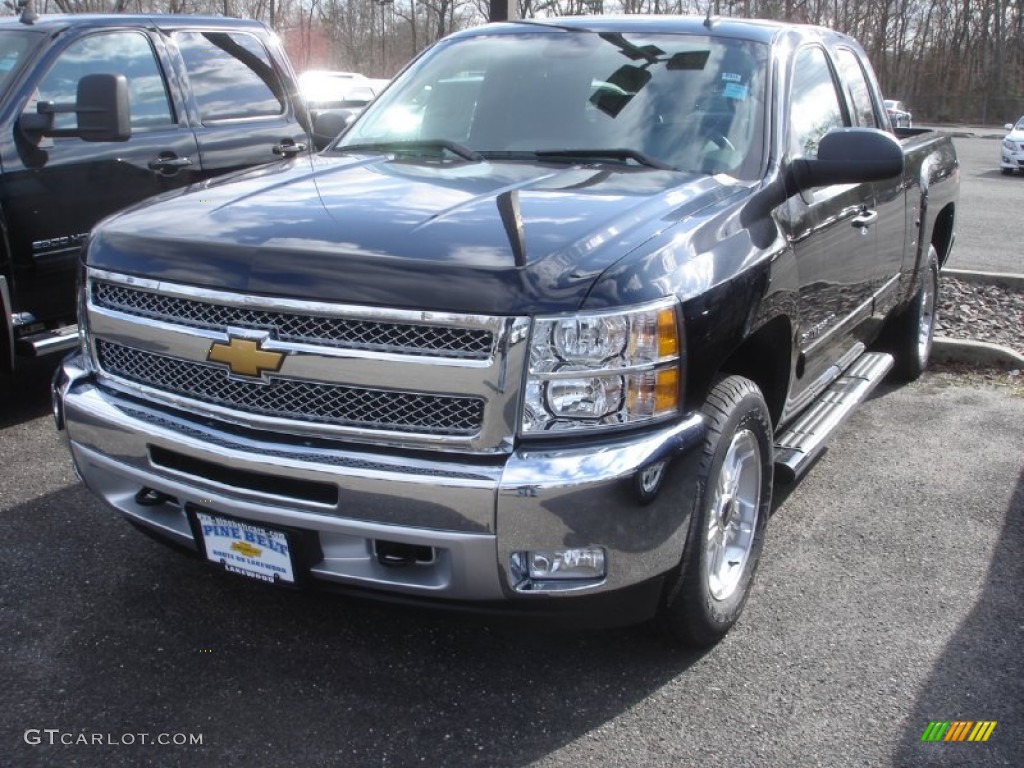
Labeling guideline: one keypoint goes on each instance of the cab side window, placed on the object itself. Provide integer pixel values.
(864, 113)
(815, 106)
(232, 75)
(124, 53)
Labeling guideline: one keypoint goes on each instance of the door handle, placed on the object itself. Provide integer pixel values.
(169, 163)
(288, 148)
(865, 219)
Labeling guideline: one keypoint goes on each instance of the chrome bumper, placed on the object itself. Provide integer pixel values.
(473, 513)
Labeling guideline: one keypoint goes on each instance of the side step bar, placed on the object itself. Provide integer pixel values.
(797, 448)
(47, 342)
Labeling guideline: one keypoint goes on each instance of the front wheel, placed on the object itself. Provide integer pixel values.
(706, 594)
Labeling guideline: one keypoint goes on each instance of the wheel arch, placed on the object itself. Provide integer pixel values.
(765, 358)
(943, 232)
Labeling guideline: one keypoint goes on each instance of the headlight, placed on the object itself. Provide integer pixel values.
(1009, 145)
(603, 369)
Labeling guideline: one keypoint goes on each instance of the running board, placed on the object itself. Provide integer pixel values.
(47, 342)
(797, 448)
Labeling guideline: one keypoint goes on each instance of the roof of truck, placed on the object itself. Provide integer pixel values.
(758, 30)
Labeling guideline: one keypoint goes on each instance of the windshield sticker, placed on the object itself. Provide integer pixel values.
(736, 91)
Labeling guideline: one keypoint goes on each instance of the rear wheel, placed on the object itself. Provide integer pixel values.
(706, 594)
(914, 329)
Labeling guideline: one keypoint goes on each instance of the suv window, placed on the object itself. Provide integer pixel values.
(126, 53)
(815, 105)
(232, 76)
(864, 114)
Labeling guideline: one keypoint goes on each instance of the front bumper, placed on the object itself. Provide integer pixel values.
(1012, 160)
(472, 513)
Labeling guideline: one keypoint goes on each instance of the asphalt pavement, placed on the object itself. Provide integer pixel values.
(988, 227)
(889, 597)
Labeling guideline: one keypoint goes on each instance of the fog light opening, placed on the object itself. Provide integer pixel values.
(576, 564)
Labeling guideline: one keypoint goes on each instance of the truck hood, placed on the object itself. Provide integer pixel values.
(483, 237)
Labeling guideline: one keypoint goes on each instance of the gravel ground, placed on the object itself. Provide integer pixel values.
(977, 312)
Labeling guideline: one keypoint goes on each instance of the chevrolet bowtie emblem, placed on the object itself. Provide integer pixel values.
(244, 357)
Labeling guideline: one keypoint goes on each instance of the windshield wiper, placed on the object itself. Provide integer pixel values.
(414, 146)
(601, 154)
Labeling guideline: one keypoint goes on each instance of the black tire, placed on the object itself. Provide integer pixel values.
(913, 329)
(1007, 171)
(706, 594)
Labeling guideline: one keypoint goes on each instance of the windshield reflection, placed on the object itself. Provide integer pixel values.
(687, 102)
(14, 48)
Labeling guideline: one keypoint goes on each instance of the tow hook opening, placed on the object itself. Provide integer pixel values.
(398, 555)
(147, 497)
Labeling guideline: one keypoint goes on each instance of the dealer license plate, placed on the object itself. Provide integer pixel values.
(246, 549)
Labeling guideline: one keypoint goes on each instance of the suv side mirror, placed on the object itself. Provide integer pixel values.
(329, 124)
(102, 108)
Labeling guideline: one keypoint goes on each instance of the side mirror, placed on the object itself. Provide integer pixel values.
(845, 156)
(330, 124)
(1008, 127)
(101, 106)
(850, 156)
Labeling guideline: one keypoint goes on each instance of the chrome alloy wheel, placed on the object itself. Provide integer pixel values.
(732, 518)
(926, 318)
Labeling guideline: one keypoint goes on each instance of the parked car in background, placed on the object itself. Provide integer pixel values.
(334, 99)
(325, 89)
(378, 84)
(899, 115)
(1013, 148)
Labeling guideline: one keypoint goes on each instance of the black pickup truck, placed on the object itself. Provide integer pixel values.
(536, 334)
(100, 112)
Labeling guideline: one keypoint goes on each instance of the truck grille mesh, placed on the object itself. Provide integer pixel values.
(309, 401)
(350, 333)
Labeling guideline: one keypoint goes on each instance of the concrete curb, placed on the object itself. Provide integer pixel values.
(1007, 280)
(980, 353)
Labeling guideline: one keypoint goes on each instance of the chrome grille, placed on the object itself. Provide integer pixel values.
(309, 401)
(350, 333)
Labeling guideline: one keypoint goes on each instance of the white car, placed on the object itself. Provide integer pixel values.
(326, 89)
(1013, 148)
(899, 115)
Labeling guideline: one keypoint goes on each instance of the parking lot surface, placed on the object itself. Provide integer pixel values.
(987, 236)
(889, 597)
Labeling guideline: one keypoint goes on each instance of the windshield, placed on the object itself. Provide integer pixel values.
(691, 103)
(14, 47)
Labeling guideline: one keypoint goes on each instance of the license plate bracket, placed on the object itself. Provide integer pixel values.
(250, 550)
